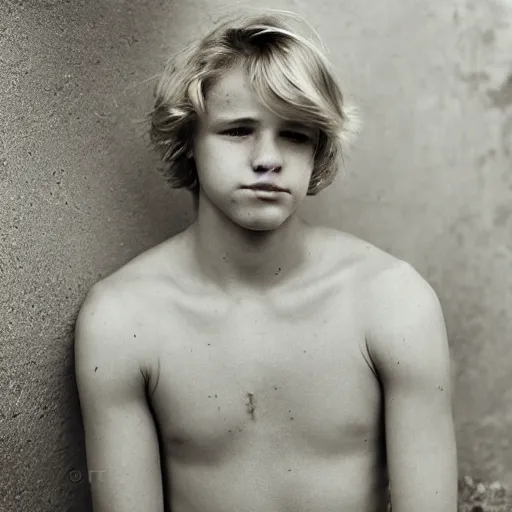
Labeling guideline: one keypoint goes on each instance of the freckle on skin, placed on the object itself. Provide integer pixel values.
(250, 405)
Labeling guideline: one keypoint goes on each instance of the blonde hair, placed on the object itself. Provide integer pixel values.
(290, 75)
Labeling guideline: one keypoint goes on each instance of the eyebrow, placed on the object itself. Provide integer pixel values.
(253, 121)
(235, 120)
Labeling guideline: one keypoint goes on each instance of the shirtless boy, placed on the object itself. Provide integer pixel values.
(255, 362)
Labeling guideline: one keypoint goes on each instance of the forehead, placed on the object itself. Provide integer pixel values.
(233, 98)
(232, 94)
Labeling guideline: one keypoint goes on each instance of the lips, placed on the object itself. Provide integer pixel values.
(266, 186)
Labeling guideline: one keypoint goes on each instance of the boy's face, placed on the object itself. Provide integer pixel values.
(237, 140)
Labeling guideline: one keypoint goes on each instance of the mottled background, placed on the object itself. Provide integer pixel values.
(430, 181)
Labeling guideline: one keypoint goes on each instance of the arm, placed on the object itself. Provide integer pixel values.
(121, 441)
(409, 348)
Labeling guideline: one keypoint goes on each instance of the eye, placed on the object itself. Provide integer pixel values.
(238, 132)
(299, 138)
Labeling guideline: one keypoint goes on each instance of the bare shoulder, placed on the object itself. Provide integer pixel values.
(367, 261)
(396, 285)
(115, 307)
(379, 268)
(401, 311)
(102, 331)
(385, 283)
(400, 302)
(399, 306)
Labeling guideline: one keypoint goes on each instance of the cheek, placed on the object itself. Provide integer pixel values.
(216, 165)
(304, 162)
(207, 156)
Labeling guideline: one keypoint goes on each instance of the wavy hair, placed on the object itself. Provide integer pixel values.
(290, 75)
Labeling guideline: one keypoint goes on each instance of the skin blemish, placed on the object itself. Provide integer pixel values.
(278, 271)
(250, 406)
(275, 388)
(95, 369)
(134, 335)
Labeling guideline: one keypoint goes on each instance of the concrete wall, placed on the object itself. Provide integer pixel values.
(430, 181)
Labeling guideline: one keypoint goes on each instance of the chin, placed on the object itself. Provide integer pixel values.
(264, 221)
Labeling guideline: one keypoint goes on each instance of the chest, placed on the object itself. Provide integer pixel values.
(278, 379)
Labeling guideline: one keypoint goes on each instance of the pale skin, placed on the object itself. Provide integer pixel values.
(255, 362)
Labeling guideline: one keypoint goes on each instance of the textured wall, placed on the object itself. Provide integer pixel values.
(430, 181)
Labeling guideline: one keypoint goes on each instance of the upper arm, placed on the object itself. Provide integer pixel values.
(409, 347)
(121, 440)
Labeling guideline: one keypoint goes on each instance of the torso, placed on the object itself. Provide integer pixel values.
(266, 405)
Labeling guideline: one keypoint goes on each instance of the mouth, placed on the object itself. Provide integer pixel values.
(267, 187)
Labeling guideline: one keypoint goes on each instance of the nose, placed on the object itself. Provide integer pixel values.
(261, 169)
(266, 155)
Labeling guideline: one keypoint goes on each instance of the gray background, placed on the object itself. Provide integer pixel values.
(430, 181)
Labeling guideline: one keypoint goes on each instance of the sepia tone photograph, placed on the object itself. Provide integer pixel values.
(255, 257)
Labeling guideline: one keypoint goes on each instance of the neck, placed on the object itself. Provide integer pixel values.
(240, 261)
